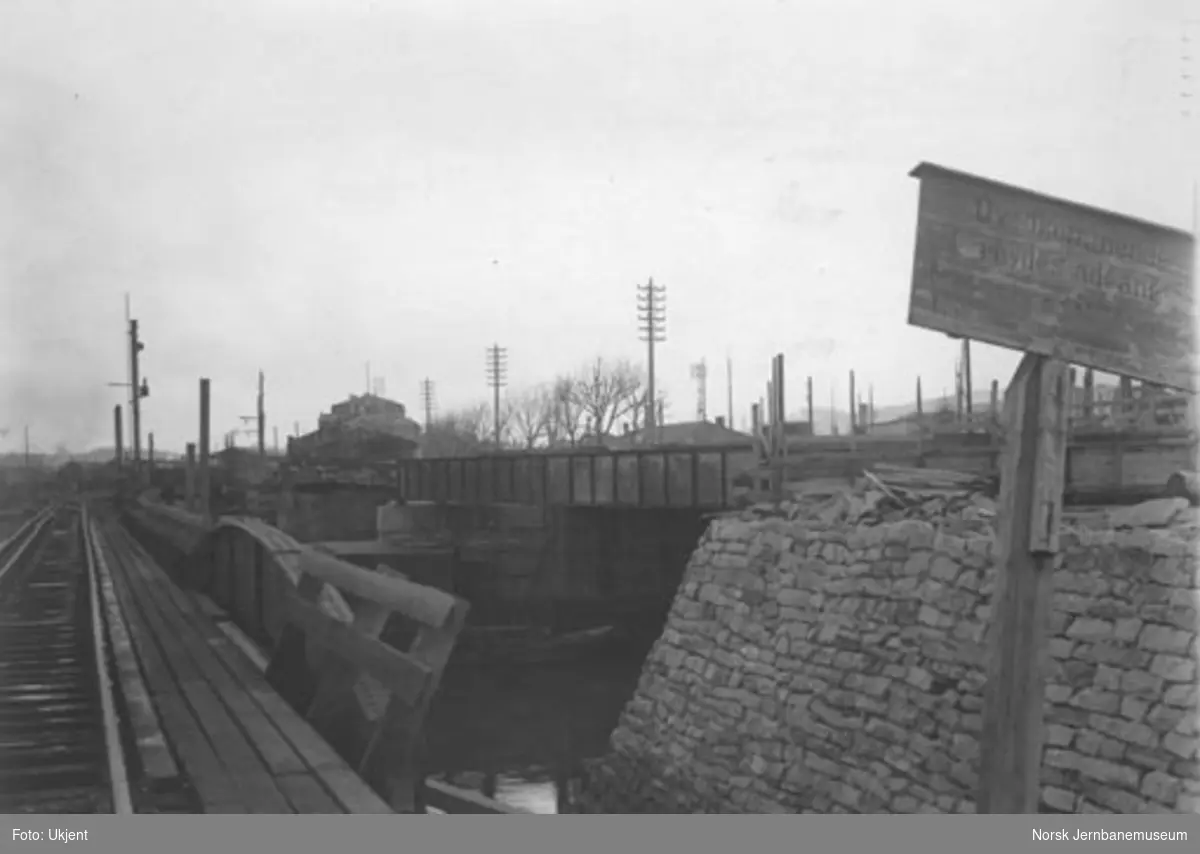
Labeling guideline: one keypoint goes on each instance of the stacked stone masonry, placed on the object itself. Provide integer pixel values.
(805, 668)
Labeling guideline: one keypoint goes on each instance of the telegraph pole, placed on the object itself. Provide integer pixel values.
(652, 328)
(700, 375)
(427, 400)
(497, 375)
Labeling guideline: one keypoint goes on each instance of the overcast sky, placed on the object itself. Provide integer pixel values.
(304, 187)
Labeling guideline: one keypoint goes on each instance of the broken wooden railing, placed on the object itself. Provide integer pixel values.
(359, 654)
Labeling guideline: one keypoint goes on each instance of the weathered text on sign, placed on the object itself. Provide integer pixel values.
(1010, 267)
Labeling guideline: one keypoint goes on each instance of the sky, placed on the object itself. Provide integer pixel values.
(304, 187)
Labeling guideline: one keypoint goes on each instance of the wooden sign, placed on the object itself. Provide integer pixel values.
(1033, 273)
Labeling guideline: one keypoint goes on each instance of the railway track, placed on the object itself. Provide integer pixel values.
(60, 744)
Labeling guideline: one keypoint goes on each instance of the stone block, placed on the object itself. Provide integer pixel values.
(1173, 668)
(1165, 639)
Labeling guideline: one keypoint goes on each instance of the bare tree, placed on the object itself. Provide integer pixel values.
(608, 391)
(566, 415)
(531, 415)
(458, 433)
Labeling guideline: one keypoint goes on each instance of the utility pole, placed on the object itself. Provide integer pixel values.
(26, 446)
(204, 505)
(427, 401)
(700, 375)
(129, 384)
(139, 388)
(497, 376)
(262, 417)
(652, 328)
(135, 348)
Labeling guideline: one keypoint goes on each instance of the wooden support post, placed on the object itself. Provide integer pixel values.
(809, 394)
(772, 416)
(1089, 392)
(968, 389)
(853, 407)
(1028, 517)
(995, 404)
(920, 403)
(958, 391)
(189, 477)
(778, 431)
(1125, 393)
(150, 452)
(204, 505)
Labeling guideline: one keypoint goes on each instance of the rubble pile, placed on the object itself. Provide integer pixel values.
(956, 502)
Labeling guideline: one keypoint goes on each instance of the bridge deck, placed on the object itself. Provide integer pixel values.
(239, 745)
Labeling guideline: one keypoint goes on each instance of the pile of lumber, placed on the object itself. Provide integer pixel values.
(955, 502)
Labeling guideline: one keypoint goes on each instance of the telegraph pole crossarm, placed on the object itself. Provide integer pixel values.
(652, 328)
(497, 377)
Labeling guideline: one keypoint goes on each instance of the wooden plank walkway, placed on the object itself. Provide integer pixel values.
(243, 748)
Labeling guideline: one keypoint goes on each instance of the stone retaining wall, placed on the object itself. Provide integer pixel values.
(807, 669)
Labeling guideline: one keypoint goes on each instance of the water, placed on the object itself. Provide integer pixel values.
(525, 729)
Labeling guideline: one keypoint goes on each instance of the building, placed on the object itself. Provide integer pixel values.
(362, 427)
(682, 433)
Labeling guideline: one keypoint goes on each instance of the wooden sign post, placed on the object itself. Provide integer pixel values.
(1064, 284)
(1032, 470)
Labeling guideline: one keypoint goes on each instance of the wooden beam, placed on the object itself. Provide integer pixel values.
(1032, 471)
(426, 605)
